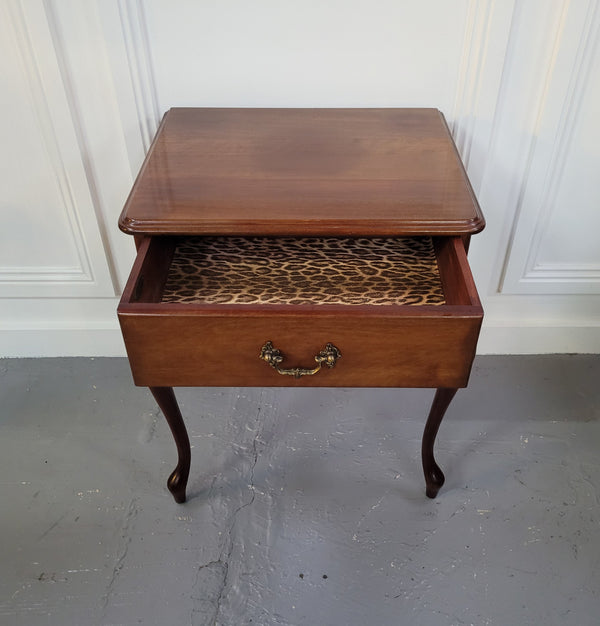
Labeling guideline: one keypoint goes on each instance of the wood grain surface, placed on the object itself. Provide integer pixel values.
(382, 346)
(302, 172)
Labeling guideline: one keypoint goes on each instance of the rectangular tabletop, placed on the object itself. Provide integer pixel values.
(321, 172)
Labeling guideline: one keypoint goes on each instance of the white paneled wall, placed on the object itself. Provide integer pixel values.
(51, 240)
(84, 84)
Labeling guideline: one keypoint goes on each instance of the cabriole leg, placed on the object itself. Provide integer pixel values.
(434, 477)
(165, 398)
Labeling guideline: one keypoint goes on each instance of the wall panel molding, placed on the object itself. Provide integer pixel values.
(471, 71)
(75, 105)
(139, 63)
(42, 275)
(536, 79)
(487, 35)
(572, 105)
(92, 73)
(517, 79)
(567, 78)
(82, 272)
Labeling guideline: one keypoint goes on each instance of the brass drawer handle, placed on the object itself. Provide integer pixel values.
(328, 356)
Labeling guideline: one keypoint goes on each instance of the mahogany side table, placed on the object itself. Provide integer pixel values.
(301, 247)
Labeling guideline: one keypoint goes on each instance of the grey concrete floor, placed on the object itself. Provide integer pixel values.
(305, 506)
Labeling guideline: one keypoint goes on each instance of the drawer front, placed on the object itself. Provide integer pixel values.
(204, 350)
(172, 344)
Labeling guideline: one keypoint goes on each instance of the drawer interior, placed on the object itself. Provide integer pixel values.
(190, 316)
(296, 271)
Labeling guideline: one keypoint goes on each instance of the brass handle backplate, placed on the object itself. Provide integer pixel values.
(328, 356)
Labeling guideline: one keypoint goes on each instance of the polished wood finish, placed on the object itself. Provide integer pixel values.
(455, 273)
(302, 172)
(399, 351)
(434, 477)
(398, 346)
(177, 482)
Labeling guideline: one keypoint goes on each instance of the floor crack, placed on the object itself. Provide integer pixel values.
(224, 559)
(222, 588)
(128, 520)
(366, 515)
(53, 526)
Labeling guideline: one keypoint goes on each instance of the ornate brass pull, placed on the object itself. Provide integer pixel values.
(328, 356)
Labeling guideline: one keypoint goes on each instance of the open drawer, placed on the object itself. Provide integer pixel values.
(327, 312)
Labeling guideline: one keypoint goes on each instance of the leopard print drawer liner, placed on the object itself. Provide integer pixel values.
(323, 270)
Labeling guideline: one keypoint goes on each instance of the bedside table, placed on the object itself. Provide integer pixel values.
(301, 247)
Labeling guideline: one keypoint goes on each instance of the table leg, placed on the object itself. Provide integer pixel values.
(165, 398)
(434, 477)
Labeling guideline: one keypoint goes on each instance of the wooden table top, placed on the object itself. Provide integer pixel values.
(302, 172)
